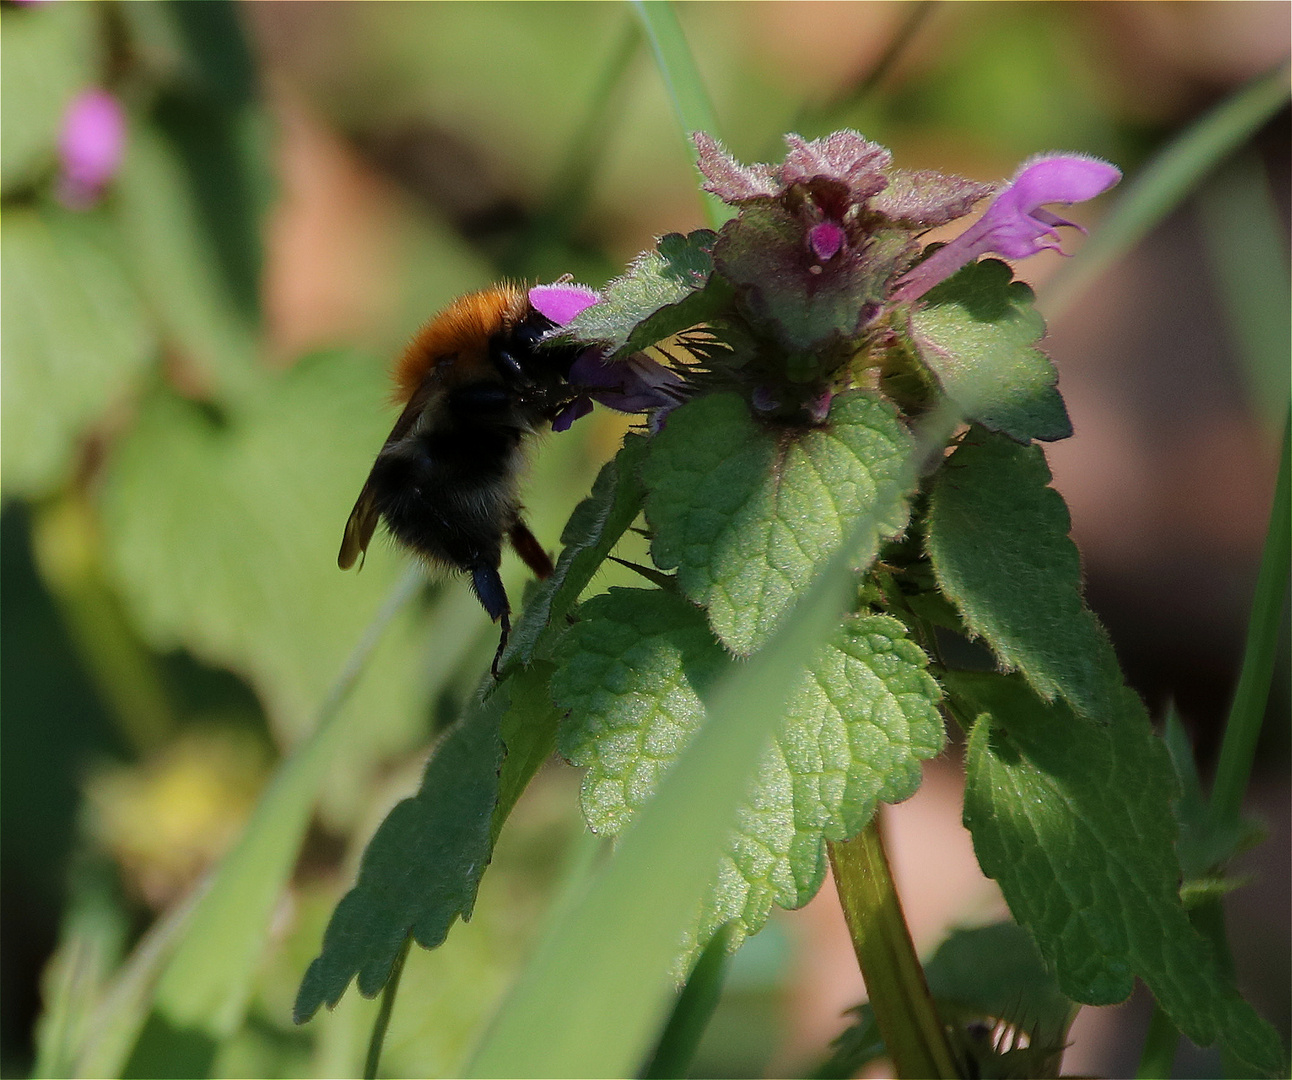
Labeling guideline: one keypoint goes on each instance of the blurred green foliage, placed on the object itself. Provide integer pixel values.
(174, 491)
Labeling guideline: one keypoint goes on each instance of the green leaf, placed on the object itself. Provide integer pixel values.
(51, 53)
(614, 984)
(749, 513)
(636, 670)
(998, 539)
(589, 536)
(987, 973)
(206, 985)
(976, 333)
(1205, 844)
(75, 340)
(179, 264)
(422, 868)
(1073, 819)
(221, 535)
(663, 293)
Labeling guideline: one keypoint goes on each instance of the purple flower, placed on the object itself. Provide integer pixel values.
(634, 384)
(1015, 225)
(90, 147)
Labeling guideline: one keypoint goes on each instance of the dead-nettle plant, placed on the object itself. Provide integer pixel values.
(811, 365)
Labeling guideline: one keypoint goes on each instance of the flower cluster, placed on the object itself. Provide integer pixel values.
(823, 263)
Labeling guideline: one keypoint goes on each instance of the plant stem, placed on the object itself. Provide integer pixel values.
(382, 1022)
(908, 1021)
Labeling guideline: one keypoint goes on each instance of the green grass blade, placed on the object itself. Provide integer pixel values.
(686, 90)
(203, 990)
(1247, 246)
(692, 1011)
(607, 958)
(1166, 180)
(1238, 748)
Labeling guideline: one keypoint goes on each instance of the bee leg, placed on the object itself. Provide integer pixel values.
(502, 644)
(530, 550)
(487, 585)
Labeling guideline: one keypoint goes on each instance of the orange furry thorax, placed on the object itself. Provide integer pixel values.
(459, 335)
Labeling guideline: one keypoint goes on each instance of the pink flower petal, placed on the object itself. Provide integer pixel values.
(563, 301)
(1015, 224)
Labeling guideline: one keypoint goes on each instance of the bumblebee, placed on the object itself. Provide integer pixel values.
(473, 383)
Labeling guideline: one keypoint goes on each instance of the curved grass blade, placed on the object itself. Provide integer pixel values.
(1167, 179)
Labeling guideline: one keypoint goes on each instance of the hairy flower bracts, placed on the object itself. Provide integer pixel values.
(821, 283)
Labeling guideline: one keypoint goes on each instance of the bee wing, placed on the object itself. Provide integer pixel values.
(363, 518)
(359, 529)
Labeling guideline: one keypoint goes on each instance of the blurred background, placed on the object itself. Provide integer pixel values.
(195, 341)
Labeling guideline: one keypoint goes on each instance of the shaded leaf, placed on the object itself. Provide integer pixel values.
(1073, 819)
(976, 332)
(51, 53)
(421, 869)
(75, 340)
(748, 513)
(998, 540)
(986, 974)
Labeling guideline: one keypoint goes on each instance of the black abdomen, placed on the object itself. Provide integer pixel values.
(450, 492)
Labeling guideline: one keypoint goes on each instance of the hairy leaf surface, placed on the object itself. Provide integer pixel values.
(636, 672)
(998, 540)
(1074, 820)
(664, 292)
(748, 513)
(422, 868)
(977, 333)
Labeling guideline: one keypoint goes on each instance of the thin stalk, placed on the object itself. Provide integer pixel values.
(568, 192)
(382, 1022)
(691, 104)
(913, 1033)
(1243, 727)
(811, 117)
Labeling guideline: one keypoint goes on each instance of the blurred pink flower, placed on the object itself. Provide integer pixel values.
(1015, 225)
(90, 147)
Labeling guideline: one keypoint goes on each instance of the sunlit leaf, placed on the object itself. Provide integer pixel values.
(51, 53)
(75, 340)
(664, 292)
(637, 668)
(748, 513)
